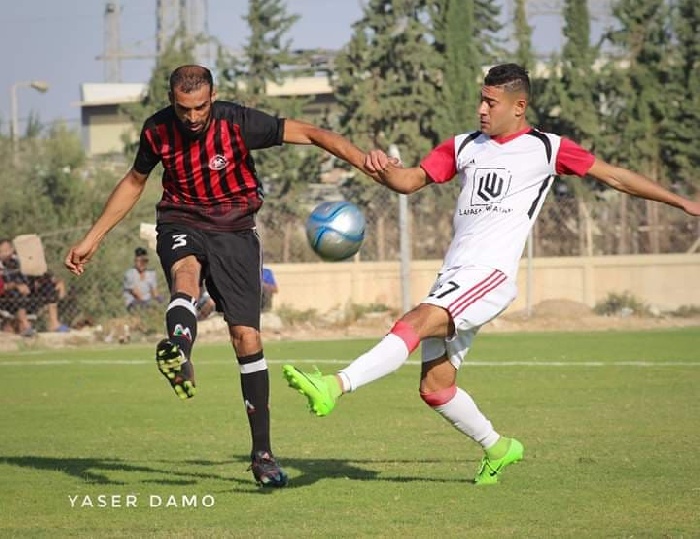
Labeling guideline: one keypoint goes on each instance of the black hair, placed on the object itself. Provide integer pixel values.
(189, 78)
(512, 77)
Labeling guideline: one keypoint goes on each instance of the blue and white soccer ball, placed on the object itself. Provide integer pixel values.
(335, 230)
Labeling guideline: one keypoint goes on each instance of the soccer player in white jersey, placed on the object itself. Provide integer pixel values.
(505, 171)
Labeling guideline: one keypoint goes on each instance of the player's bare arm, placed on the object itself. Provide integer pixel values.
(298, 132)
(403, 180)
(635, 184)
(123, 197)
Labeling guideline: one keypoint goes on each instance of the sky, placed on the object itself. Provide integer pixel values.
(57, 41)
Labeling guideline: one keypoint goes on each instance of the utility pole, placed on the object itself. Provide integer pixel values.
(112, 45)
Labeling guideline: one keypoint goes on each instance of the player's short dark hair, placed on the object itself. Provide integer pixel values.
(140, 251)
(189, 78)
(512, 77)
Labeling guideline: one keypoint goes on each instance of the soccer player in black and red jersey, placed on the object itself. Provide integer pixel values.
(206, 230)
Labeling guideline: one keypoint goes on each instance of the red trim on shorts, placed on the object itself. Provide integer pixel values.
(407, 334)
(476, 292)
(438, 398)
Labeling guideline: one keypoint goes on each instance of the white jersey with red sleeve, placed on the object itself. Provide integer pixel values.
(504, 182)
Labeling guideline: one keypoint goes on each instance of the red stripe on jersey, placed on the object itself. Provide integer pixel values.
(572, 159)
(475, 293)
(165, 151)
(247, 174)
(440, 163)
(195, 169)
(180, 176)
(210, 152)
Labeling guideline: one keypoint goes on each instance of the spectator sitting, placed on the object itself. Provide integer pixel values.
(15, 301)
(48, 290)
(140, 285)
(269, 288)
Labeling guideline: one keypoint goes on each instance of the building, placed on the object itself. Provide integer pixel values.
(103, 125)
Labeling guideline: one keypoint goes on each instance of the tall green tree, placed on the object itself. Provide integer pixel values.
(266, 52)
(386, 78)
(522, 33)
(578, 117)
(637, 104)
(464, 34)
(386, 84)
(267, 60)
(456, 42)
(680, 137)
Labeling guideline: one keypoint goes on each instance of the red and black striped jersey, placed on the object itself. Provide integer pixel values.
(209, 181)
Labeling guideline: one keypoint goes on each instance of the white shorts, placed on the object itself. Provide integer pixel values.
(473, 296)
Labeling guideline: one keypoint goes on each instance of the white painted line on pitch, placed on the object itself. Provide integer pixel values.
(108, 362)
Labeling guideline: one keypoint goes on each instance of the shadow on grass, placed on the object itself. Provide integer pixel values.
(189, 472)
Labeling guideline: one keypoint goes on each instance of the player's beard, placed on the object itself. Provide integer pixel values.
(194, 135)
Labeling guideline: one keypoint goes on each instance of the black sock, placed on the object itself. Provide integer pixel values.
(181, 321)
(255, 386)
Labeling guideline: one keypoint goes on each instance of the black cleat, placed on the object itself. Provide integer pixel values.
(176, 368)
(266, 471)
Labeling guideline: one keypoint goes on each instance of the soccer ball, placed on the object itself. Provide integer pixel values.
(335, 230)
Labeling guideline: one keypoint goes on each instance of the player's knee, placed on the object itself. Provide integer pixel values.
(439, 397)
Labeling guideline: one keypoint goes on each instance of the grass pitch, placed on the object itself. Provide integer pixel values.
(95, 443)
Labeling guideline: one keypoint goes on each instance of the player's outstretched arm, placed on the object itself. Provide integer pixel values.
(298, 132)
(635, 184)
(126, 193)
(391, 174)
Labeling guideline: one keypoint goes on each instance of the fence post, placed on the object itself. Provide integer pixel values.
(404, 242)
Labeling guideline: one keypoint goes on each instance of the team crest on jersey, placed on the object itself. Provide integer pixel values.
(490, 186)
(218, 162)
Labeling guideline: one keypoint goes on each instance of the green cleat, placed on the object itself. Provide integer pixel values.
(490, 469)
(315, 387)
(176, 368)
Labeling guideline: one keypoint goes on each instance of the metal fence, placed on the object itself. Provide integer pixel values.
(605, 223)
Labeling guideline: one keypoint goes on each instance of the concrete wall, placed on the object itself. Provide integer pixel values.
(664, 281)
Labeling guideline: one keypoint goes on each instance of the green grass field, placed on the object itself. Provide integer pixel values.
(610, 423)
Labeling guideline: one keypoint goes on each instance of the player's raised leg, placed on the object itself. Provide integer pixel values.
(173, 353)
(322, 392)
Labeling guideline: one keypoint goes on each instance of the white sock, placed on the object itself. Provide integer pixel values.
(386, 357)
(466, 417)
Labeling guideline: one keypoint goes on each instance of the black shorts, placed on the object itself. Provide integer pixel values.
(231, 267)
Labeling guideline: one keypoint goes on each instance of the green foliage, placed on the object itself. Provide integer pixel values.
(178, 52)
(267, 50)
(680, 131)
(293, 317)
(267, 60)
(456, 41)
(686, 311)
(524, 53)
(568, 103)
(387, 78)
(621, 304)
(635, 103)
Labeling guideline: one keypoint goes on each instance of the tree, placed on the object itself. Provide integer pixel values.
(679, 139)
(636, 103)
(524, 54)
(178, 51)
(386, 83)
(456, 42)
(285, 172)
(267, 51)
